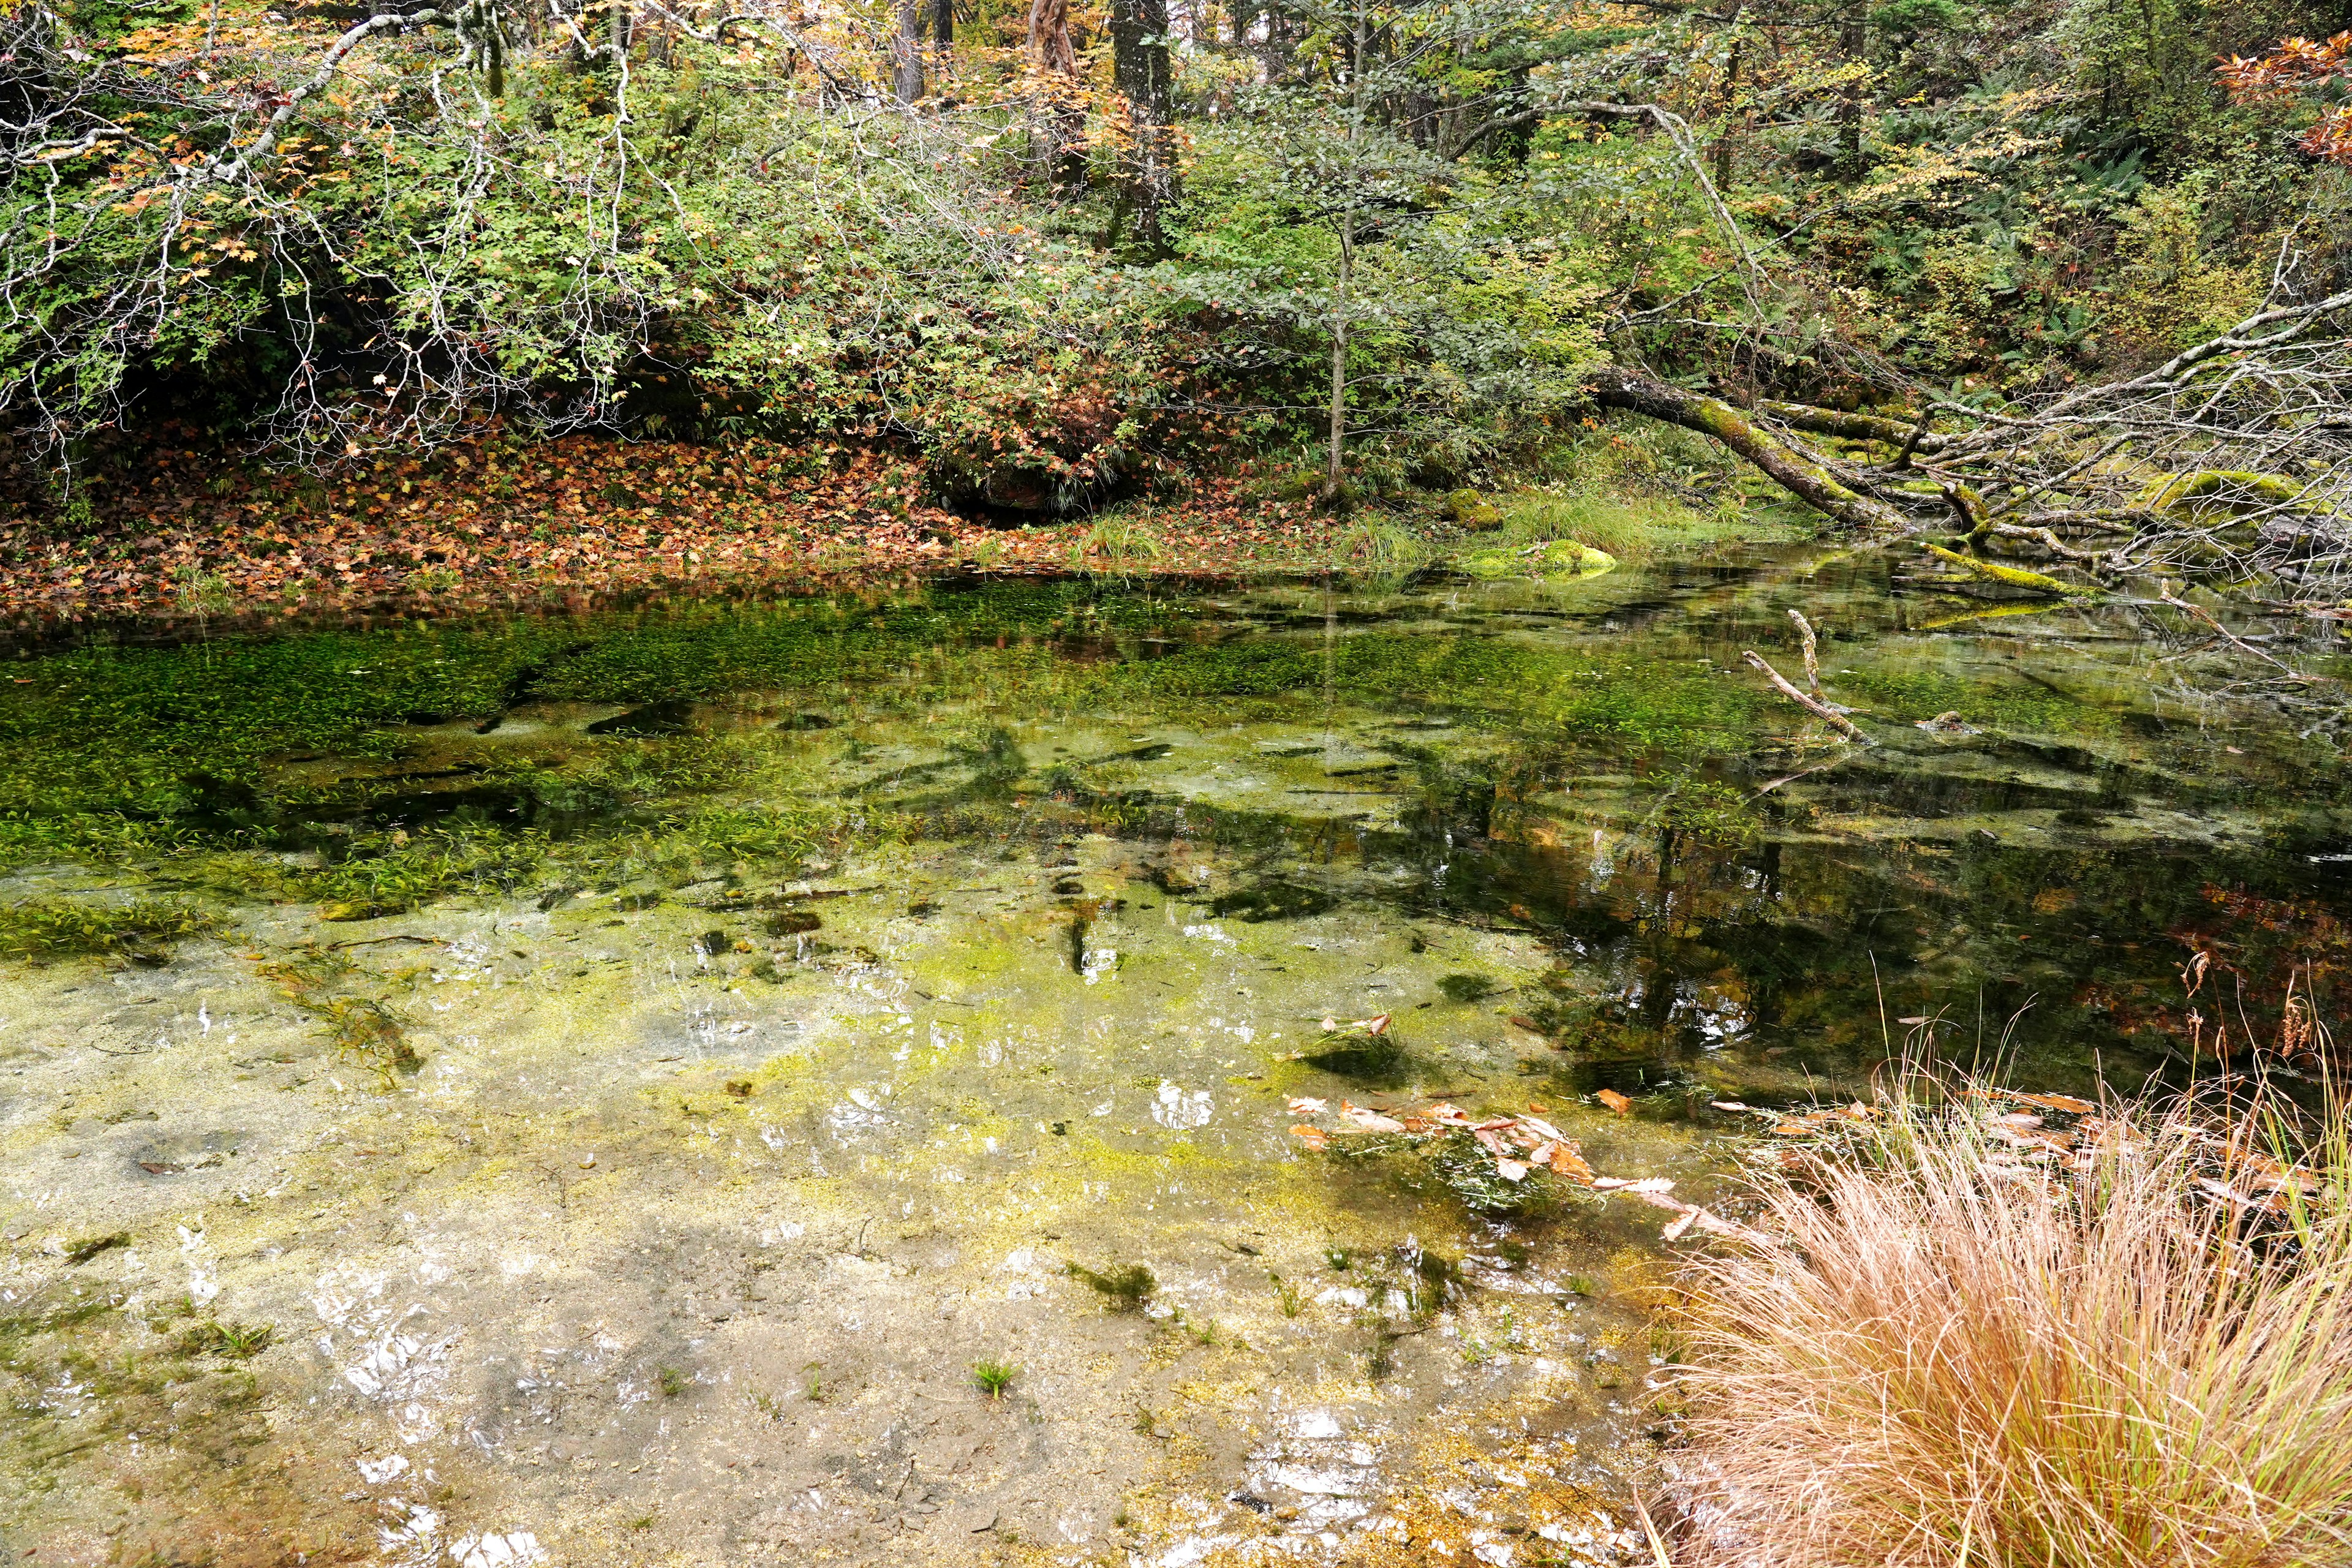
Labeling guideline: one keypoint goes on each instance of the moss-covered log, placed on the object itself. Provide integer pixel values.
(1852, 426)
(2014, 576)
(1794, 470)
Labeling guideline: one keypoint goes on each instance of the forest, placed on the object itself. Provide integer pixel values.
(2059, 281)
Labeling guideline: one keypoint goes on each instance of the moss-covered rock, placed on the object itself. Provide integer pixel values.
(1473, 511)
(1557, 560)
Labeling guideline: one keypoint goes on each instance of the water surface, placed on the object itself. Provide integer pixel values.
(588, 1087)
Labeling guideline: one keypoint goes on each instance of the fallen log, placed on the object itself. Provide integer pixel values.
(1792, 467)
(2015, 576)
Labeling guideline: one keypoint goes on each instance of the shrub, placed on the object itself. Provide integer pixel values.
(1955, 1353)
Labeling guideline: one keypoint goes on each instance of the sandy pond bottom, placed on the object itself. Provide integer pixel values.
(657, 1259)
(674, 1228)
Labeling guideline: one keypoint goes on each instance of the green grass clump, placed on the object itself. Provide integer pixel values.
(236, 1341)
(42, 929)
(1119, 540)
(994, 1377)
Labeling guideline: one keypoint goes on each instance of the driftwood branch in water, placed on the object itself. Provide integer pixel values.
(1821, 711)
(1793, 468)
(1812, 656)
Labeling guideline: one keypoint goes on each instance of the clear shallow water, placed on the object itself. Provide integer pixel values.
(637, 1061)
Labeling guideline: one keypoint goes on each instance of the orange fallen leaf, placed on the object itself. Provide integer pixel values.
(1567, 1161)
(1614, 1101)
(1313, 1137)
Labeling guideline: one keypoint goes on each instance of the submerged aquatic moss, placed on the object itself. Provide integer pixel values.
(65, 928)
(1504, 680)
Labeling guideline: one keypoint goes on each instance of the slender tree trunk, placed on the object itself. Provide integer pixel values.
(942, 20)
(1850, 39)
(1334, 459)
(906, 53)
(1140, 70)
(1730, 107)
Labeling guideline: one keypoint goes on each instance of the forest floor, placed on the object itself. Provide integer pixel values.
(182, 528)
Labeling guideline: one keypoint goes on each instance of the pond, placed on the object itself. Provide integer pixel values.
(590, 1087)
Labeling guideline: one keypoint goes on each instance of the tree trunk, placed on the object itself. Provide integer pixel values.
(1140, 70)
(942, 19)
(1334, 461)
(1730, 107)
(1794, 470)
(906, 53)
(1054, 58)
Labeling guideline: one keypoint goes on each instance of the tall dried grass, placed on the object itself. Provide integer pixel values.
(1951, 1356)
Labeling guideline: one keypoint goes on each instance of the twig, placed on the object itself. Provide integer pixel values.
(2207, 617)
(1823, 711)
(1813, 662)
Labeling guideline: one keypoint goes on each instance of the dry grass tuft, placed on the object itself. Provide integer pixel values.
(1952, 1356)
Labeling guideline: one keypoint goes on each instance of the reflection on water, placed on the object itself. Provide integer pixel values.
(589, 1088)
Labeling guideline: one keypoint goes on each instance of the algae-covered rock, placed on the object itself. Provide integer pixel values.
(1472, 510)
(1558, 560)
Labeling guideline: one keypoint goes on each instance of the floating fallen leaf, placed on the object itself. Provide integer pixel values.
(1566, 1161)
(1614, 1101)
(1510, 1170)
(1370, 1121)
(1645, 1185)
(1313, 1137)
(1304, 1105)
(1728, 1105)
(1679, 1224)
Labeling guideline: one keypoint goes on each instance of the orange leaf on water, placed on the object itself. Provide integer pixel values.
(1614, 1101)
